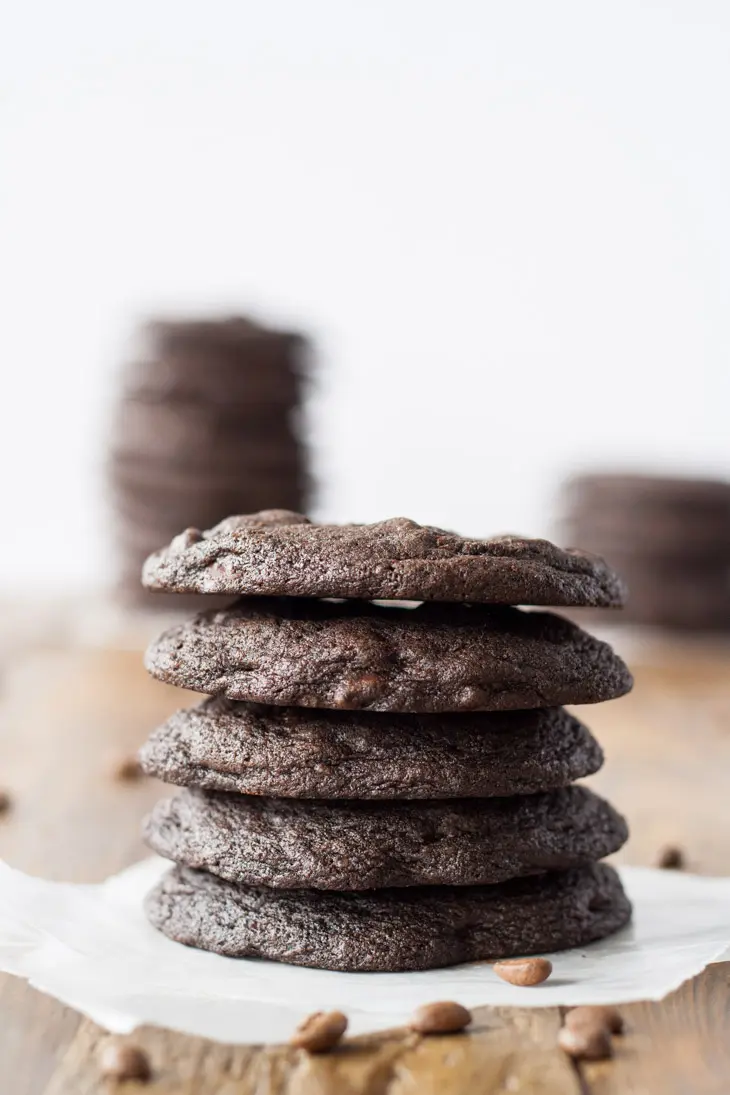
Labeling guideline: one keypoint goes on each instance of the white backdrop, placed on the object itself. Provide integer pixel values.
(506, 224)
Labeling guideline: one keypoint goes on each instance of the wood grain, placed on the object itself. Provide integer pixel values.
(66, 716)
(679, 1046)
(507, 1050)
(69, 713)
(667, 768)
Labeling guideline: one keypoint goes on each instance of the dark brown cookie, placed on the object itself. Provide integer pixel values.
(389, 930)
(226, 361)
(598, 491)
(140, 502)
(135, 503)
(218, 463)
(284, 555)
(295, 844)
(678, 595)
(148, 475)
(182, 428)
(356, 655)
(687, 544)
(293, 752)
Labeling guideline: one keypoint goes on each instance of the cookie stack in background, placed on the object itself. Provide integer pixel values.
(376, 786)
(669, 538)
(207, 424)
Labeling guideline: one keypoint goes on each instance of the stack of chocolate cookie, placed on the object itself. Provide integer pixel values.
(381, 786)
(205, 426)
(669, 537)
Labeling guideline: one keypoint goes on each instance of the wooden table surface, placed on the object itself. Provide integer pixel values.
(68, 712)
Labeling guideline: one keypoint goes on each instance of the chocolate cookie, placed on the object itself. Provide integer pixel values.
(671, 594)
(219, 463)
(149, 475)
(356, 655)
(135, 504)
(182, 428)
(350, 845)
(647, 491)
(226, 361)
(293, 752)
(389, 930)
(665, 538)
(139, 500)
(279, 554)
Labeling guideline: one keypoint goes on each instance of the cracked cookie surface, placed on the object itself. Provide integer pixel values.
(280, 553)
(352, 845)
(294, 752)
(356, 655)
(390, 930)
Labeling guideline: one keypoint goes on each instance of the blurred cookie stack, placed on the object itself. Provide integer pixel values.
(668, 537)
(206, 425)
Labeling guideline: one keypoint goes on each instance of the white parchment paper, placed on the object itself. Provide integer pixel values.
(91, 947)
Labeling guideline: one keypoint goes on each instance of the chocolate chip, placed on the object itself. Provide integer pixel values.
(524, 971)
(5, 802)
(671, 858)
(120, 1060)
(358, 691)
(320, 1031)
(442, 1017)
(127, 769)
(595, 1015)
(586, 1043)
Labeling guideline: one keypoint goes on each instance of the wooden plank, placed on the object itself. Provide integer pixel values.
(66, 716)
(676, 1047)
(679, 1046)
(34, 1034)
(507, 1050)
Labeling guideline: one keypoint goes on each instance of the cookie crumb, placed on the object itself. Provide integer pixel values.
(671, 858)
(441, 1017)
(127, 769)
(120, 1060)
(525, 972)
(320, 1031)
